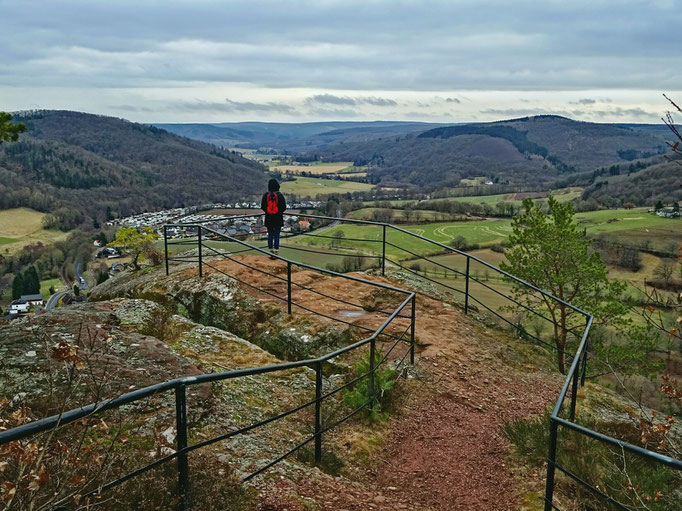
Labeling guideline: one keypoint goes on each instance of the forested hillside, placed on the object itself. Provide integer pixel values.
(79, 165)
(644, 188)
(537, 149)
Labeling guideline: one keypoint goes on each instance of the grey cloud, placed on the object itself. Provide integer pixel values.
(331, 99)
(349, 101)
(584, 101)
(233, 106)
(372, 100)
(452, 100)
(625, 112)
(482, 45)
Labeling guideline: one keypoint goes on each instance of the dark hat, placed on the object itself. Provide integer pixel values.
(273, 185)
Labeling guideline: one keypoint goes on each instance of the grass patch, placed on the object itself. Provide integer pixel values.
(312, 187)
(598, 464)
(23, 226)
(46, 284)
(314, 168)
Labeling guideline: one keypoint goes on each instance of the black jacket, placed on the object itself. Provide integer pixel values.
(274, 221)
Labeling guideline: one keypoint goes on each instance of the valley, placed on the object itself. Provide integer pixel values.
(451, 195)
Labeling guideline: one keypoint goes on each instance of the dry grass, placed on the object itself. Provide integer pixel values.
(24, 226)
(322, 168)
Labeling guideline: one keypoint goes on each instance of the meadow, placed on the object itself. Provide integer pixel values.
(22, 226)
(486, 285)
(317, 168)
(45, 286)
(312, 187)
(399, 215)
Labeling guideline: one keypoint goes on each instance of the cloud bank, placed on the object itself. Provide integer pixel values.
(370, 59)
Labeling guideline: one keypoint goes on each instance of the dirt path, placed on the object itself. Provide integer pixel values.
(446, 449)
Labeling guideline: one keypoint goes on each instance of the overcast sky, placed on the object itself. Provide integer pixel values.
(295, 61)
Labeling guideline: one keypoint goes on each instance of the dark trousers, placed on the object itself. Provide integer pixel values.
(273, 238)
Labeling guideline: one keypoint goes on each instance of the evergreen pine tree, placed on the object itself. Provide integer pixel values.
(17, 286)
(31, 282)
(659, 205)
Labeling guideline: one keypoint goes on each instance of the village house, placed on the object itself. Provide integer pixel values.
(668, 212)
(33, 300)
(108, 253)
(18, 306)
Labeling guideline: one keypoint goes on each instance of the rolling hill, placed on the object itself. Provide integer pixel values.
(534, 150)
(95, 166)
(662, 182)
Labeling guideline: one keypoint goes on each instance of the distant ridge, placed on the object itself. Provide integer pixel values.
(291, 137)
(535, 149)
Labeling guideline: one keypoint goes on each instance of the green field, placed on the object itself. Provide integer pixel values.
(492, 288)
(22, 226)
(399, 215)
(485, 232)
(563, 195)
(636, 219)
(313, 168)
(46, 284)
(312, 187)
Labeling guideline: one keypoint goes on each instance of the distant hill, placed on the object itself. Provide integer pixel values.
(291, 137)
(93, 165)
(526, 150)
(662, 182)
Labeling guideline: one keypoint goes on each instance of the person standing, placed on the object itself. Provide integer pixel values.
(274, 205)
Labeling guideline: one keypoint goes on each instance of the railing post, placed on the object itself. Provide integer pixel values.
(165, 246)
(318, 412)
(414, 303)
(584, 368)
(181, 443)
(551, 460)
(201, 269)
(466, 289)
(372, 355)
(289, 287)
(574, 393)
(383, 253)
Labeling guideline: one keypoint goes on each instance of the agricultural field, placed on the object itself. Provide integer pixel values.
(367, 238)
(474, 181)
(626, 222)
(312, 187)
(342, 167)
(633, 224)
(22, 226)
(399, 215)
(562, 195)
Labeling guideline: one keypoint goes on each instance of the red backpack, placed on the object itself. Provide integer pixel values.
(273, 204)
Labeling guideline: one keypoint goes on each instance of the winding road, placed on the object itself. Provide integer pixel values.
(52, 301)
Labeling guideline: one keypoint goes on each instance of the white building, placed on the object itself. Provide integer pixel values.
(18, 306)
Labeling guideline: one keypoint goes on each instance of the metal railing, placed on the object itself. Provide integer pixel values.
(475, 289)
(472, 290)
(406, 335)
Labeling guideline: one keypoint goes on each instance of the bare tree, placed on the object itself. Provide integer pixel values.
(670, 122)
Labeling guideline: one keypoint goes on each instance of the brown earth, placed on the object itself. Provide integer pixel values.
(445, 449)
